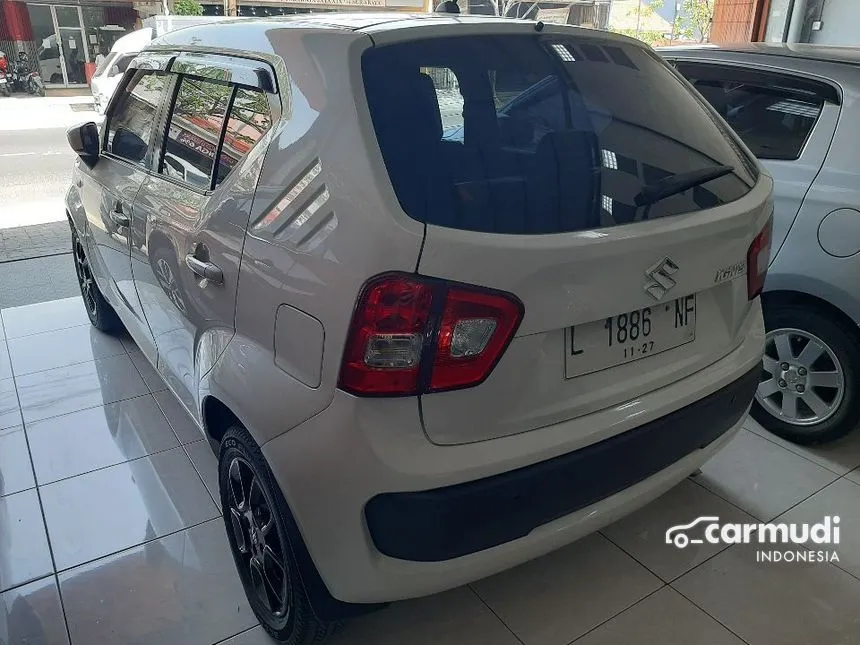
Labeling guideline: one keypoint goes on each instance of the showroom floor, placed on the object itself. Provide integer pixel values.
(109, 530)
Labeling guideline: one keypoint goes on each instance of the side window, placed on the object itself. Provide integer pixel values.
(120, 64)
(106, 63)
(249, 120)
(448, 98)
(194, 130)
(773, 118)
(130, 122)
(531, 113)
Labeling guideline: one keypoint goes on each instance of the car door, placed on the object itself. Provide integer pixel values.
(786, 119)
(108, 191)
(191, 214)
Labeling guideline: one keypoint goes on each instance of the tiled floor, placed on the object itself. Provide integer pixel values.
(110, 530)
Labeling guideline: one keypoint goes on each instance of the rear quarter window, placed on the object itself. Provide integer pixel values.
(531, 135)
(772, 115)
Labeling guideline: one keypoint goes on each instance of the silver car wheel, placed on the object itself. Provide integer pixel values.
(803, 382)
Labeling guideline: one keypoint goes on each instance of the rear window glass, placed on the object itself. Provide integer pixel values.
(521, 134)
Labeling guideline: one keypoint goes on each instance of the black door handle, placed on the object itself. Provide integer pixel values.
(203, 269)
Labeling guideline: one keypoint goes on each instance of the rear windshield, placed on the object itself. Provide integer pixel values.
(531, 135)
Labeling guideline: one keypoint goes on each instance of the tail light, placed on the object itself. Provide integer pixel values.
(758, 258)
(414, 335)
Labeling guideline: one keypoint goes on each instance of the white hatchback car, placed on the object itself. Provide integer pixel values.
(424, 353)
(794, 107)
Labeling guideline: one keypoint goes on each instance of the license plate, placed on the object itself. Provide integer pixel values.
(627, 337)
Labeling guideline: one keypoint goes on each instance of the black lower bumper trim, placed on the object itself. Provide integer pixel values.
(446, 523)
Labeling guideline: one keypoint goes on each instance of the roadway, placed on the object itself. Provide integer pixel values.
(35, 166)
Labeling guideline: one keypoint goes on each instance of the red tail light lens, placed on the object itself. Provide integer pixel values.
(758, 258)
(386, 339)
(475, 331)
(413, 335)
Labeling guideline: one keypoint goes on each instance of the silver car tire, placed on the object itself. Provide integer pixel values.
(808, 389)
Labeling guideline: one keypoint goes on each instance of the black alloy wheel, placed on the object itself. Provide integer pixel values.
(258, 540)
(256, 517)
(101, 314)
(85, 277)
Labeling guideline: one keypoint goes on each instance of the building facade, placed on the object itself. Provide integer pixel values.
(826, 22)
(64, 41)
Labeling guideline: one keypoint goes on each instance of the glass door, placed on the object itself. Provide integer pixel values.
(47, 48)
(73, 44)
(75, 55)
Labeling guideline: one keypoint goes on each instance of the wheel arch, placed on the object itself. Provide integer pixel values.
(218, 418)
(783, 297)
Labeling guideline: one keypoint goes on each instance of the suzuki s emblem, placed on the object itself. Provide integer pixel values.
(660, 278)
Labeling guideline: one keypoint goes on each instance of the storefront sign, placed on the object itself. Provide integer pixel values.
(195, 143)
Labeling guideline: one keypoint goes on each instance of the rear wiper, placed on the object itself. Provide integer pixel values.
(675, 184)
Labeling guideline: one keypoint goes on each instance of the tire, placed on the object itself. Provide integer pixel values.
(240, 460)
(824, 388)
(101, 314)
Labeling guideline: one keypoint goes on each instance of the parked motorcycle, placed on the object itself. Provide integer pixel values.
(4, 68)
(23, 79)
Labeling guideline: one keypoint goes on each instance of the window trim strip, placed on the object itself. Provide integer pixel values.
(225, 69)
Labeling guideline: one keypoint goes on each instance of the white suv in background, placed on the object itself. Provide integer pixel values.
(107, 77)
(424, 354)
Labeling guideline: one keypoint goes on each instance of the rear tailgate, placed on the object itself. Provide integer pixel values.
(581, 279)
(559, 167)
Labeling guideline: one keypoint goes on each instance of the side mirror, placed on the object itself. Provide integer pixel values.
(84, 140)
(128, 145)
(114, 71)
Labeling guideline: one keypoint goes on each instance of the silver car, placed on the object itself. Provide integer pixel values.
(444, 294)
(796, 108)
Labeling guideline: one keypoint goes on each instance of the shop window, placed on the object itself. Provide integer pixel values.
(249, 120)
(195, 130)
(130, 122)
(68, 17)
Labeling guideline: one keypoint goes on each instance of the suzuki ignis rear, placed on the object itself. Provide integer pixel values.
(445, 293)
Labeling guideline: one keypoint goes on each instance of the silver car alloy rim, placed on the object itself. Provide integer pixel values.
(802, 380)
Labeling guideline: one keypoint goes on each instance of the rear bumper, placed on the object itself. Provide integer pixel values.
(450, 522)
(336, 466)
